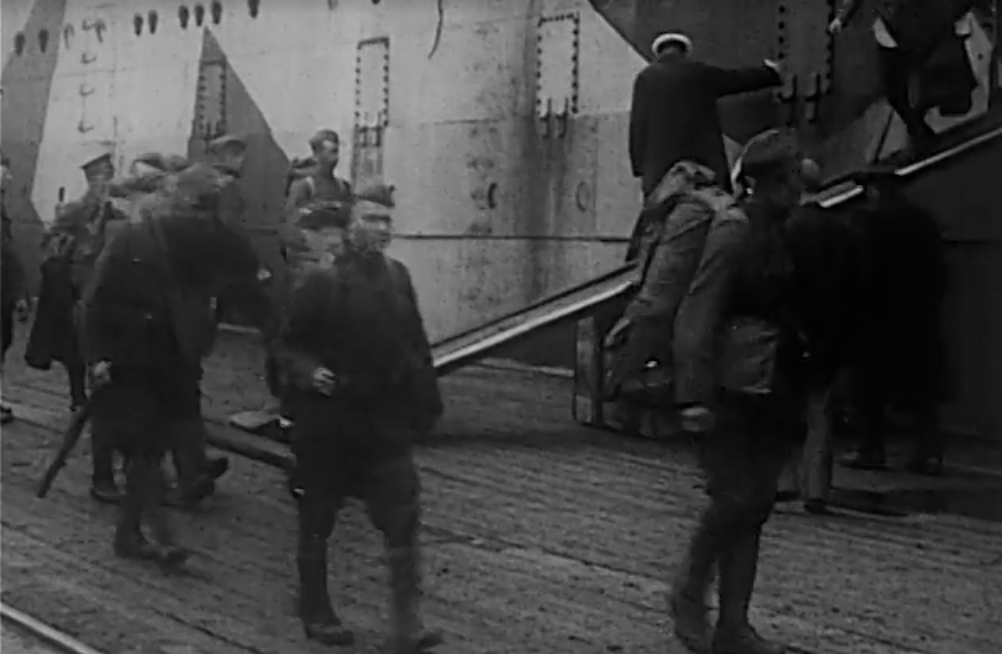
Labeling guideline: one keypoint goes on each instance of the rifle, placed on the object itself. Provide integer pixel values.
(70, 437)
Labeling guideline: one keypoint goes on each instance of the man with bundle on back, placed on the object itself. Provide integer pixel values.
(362, 385)
(144, 336)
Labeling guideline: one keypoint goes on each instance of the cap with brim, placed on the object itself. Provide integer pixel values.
(671, 38)
(324, 215)
(376, 194)
(769, 151)
(95, 158)
(229, 142)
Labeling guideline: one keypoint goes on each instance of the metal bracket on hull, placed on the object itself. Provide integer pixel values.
(557, 56)
(210, 105)
(372, 108)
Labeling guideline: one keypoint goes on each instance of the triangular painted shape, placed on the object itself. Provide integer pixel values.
(27, 84)
(267, 164)
(262, 186)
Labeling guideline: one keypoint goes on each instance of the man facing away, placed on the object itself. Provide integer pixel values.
(357, 358)
(674, 114)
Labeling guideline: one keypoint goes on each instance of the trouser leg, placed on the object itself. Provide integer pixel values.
(687, 602)
(738, 563)
(103, 486)
(76, 372)
(896, 68)
(317, 516)
(817, 454)
(394, 505)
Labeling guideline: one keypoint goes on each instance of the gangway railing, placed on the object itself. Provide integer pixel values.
(590, 408)
(469, 346)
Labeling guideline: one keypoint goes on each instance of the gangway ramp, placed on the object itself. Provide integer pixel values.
(469, 346)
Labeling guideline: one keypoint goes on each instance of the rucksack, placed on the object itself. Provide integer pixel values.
(638, 349)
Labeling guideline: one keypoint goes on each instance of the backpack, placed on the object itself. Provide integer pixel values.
(638, 349)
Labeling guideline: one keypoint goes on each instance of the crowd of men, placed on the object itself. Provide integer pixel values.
(127, 306)
(752, 304)
(759, 317)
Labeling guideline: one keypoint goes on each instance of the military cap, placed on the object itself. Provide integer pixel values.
(769, 151)
(377, 194)
(95, 155)
(228, 142)
(168, 163)
(323, 135)
(123, 187)
(324, 214)
(810, 172)
(671, 38)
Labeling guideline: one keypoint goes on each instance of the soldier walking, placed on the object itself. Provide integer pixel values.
(738, 389)
(144, 339)
(361, 380)
(72, 247)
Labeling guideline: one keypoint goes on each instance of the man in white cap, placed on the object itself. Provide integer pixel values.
(674, 112)
(674, 115)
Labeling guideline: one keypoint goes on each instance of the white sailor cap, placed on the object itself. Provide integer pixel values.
(670, 38)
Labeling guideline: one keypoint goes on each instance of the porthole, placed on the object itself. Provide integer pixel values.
(217, 12)
(199, 15)
(137, 24)
(19, 42)
(254, 6)
(153, 18)
(43, 40)
(183, 15)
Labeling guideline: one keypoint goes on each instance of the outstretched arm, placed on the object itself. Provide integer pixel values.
(639, 117)
(732, 81)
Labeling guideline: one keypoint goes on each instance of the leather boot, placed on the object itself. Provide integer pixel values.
(687, 601)
(169, 554)
(407, 634)
(320, 622)
(103, 487)
(129, 542)
(738, 568)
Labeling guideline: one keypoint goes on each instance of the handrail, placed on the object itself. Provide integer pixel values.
(542, 302)
(919, 166)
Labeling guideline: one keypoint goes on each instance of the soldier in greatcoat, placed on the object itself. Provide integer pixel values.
(144, 329)
(13, 296)
(363, 387)
(70, 248)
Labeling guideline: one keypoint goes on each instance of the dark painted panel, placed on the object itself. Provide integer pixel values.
(27, 82)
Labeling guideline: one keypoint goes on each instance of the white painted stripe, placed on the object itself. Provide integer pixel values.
(54, 637)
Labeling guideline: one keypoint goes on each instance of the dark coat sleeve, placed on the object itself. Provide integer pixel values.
(848, 10)
(427, 395)
(723, 82)
(639, 118)
(299, 347)
(126, 317)
(701, 314)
